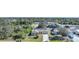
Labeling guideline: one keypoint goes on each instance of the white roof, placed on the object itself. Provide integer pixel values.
(75, 38)
(56, 30)
(77, 30)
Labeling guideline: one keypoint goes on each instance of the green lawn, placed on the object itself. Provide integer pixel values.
(31, 40)
(56, 41)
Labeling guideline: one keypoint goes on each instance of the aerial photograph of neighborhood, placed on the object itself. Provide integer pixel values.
(39, 29)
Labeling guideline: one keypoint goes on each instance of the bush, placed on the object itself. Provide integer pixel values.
(18, 40)
(17, 37)
(16, 30)
(35, 37)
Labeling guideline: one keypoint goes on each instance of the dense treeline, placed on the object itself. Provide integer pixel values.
(14, 28)
(74, 21)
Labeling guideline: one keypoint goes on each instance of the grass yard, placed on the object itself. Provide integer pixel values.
(32, 40)
(56, 41)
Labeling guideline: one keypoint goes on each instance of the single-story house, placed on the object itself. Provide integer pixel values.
(77, 31)
(55, 31)
(40, 30)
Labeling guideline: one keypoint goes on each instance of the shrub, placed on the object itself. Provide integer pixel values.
(17, 37)
(35, 37)
(18, 40)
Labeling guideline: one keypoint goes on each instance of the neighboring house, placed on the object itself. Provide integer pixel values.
(52, 26)
(73, 37)
(40, 30)
(55, 32)
(77, 31)
(49, 23)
